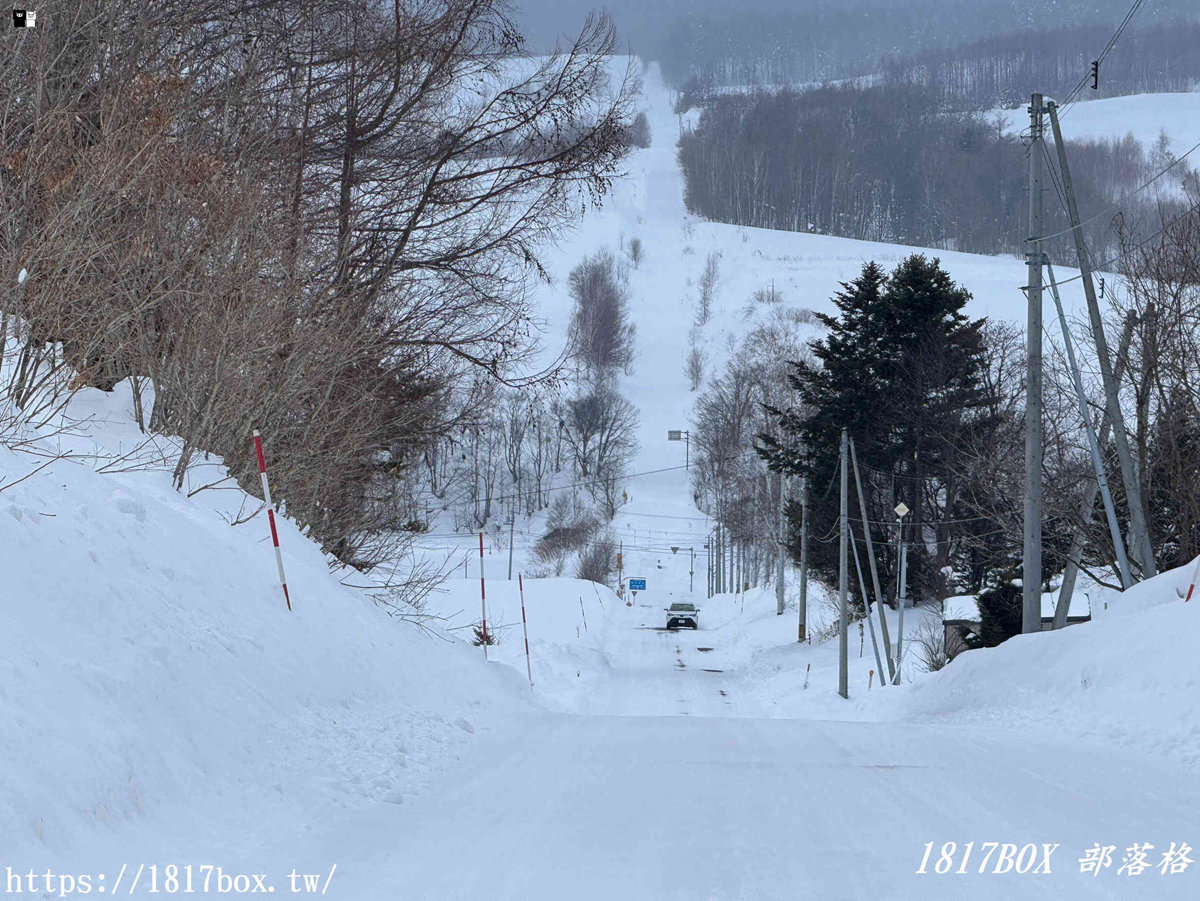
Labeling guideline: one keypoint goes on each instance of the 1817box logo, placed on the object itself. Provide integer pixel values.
(24, 18)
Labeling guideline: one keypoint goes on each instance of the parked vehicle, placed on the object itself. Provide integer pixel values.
(683, 615)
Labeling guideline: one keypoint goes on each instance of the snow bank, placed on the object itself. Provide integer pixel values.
(1129, 677)
(154, 687)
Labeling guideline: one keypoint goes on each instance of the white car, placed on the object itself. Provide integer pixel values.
(683, 615)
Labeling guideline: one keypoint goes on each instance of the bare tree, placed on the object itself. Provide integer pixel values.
(601, 334)
(313, 217)
(635, 252)
(600, 427)
(693, 362)
(708, 288)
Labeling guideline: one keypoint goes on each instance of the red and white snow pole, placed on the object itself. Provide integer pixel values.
(525, 627)
(1195, 576)
(483, 598)
(262, 471)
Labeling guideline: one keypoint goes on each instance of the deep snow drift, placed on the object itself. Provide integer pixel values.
(155, 688)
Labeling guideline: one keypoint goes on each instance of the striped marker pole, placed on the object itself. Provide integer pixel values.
(525, 626)
(1195, 576)
(262, 471)
(483, 598)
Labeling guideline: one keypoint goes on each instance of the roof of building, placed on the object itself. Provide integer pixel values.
(964, 608)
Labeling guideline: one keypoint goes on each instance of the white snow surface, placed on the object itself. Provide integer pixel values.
(965, 606)
(162, 706)
(1145, 116)
(154, 687)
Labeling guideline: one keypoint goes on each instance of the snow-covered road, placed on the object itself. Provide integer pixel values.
(600, 807)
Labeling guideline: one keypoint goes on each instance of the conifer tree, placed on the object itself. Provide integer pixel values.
(900, 368)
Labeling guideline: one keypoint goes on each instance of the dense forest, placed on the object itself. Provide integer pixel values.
(762, 47)
(891, 163)
(1004, 70)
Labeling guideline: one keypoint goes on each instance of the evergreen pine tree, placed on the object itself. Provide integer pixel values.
(901, 369)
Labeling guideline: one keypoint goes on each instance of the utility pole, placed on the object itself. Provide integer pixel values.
(1133, 490)
(691, 569)
(901, 600)
(862, 587)
(512, 524)
(862, 506)
(1031, 567)
(708, 568)
(1110, 512)
(620, 568)
(1075, 554)
(843, 550)
(720, 559)
(779, 600)
(802, 625)
(681, 435)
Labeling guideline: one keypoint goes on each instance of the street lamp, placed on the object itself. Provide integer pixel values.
(681, 435)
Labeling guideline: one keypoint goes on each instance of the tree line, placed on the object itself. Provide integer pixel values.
(893, 164)
(1005, 70)
(935, 404)
(991, 52)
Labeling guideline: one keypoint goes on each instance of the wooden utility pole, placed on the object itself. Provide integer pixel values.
(1143, 551)
(779, 598)
(1031, 567)
(843, 550)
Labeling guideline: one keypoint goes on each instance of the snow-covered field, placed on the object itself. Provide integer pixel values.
(1145, 116)
(161, 706)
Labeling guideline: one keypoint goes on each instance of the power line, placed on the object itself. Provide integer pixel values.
(1123, 199)
(630, 475)
(1136, 247)
(1058, 189)
(666, 516)
(1112, 42)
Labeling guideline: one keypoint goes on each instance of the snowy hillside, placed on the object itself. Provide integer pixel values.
(1145, 116)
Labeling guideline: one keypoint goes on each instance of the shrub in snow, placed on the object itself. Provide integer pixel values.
(638, 134)
(491, 639)
(929, 641)
(598, 560)
(999, 614)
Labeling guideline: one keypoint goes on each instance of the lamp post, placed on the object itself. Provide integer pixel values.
(681, 435)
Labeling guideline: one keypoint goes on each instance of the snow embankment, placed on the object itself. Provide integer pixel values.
(155, 689)
(1130, 677)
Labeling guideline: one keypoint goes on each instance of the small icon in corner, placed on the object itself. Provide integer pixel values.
(24, 18)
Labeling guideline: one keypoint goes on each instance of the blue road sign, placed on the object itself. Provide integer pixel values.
(637, 584)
